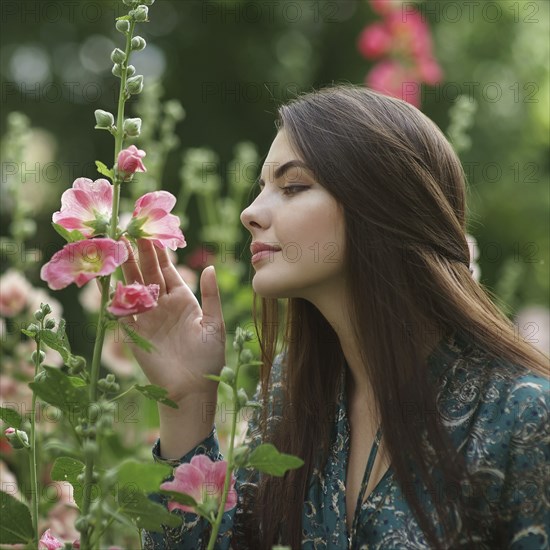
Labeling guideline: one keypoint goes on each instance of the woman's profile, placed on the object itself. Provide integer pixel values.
(421, 416)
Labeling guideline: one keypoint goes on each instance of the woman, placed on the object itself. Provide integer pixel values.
(392, 354)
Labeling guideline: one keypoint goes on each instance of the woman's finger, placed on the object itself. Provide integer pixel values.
(130, 267)
(171, 276)
(150, 267)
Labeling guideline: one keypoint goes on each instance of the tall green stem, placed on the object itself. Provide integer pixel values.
(230, 466)
(85, 542)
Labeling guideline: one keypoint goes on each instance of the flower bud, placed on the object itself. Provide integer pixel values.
(117, 70)
(246, 356)
(42, 356)
(132, 127)
(118, 56)
(242, 398)
(82, 524)
(77, 363)
(45, 308)
(123, 26)
(38, 315)
(134, 85)
(148, 2)
(110, 378)
(138, 43)
(50, 323)
(33, 327)
(227, 375)
(139, 14)
(130, 70)
(103, 119)
(18, 439)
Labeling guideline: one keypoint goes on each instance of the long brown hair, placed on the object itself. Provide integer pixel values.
(402, 190)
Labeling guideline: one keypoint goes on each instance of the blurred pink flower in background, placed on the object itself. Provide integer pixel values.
(87, 204)
(49, 542)
(384, 7)
(63, 514)
(116, 355)
(203, 479)
(392, 77)
(133, 299)
(152, 220)
(374, 41)
(81, 261)
(129, 162)
(14, 290)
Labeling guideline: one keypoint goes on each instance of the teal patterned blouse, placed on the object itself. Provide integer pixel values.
(497, 415)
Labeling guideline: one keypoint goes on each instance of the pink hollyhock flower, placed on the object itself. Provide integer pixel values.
(374, 41)
(151, 220)
(129, 162)
(133, 299)
(410, 33)
(203, 479)
(86, 207)
(82, 261)
(49, 542)
(395, 80)
(14, 289)
(429, 70)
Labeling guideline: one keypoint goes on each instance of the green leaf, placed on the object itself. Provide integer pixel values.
(266, 458)
(144, 477)
(28, 333)
(67, 469)
(180, 498)
(61, 391)
(136, 339)
(103, 170)
(53, 340)
(16, 525)
(157, 394)
(145, 513)
(70, 236)
(11, 417)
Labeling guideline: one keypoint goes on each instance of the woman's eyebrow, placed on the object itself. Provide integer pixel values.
(281, 170)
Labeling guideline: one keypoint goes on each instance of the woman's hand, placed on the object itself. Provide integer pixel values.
(189, 341)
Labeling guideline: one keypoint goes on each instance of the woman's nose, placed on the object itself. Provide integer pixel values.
(248, 217)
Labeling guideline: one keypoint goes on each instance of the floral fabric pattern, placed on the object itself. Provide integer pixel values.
(497, 415)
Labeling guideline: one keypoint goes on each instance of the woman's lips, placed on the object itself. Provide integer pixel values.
(262, 254)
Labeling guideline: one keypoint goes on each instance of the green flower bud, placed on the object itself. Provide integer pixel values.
(45, 308)
(33, 327)
(148, 2)
(104, 119)
(246, 356)
(118, 56)
(134, 85)
(76, 363)
(117, 70)
(242, 398)
(18, 439)
(82, 524)
(110, 378)
(139, 14)
(123, 26)
(38, 315)
(130, 70)
(132, 127)
(40, 376)
(138, 43)
(50, 323)
(228, 375)
(42, 356)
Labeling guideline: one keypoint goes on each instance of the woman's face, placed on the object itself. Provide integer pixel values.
(297, 215)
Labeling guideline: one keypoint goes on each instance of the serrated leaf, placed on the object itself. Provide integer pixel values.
(68, 469)
(16, 525)
(145, 513)
(54, 341)
(266, 458)
(136, 339)
(142, 476)
(103, 170)
(59, 390)
(180, 498)
(70, 236)
(11, 417)
(157, 394)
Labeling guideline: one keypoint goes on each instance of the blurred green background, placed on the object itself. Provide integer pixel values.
(232, 63)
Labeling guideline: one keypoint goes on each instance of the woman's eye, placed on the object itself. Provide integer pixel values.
(293, 189)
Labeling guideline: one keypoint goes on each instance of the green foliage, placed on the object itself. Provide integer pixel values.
(16, 525)
(68, 469)
(156, 393)
(266, 458)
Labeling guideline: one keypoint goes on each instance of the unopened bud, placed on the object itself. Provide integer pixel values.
(123, 25)
(33, 327)
(242, 398)
(132, 127)
(82, 524)
(50, 323)
(148, 2)
(138, 43)
(117, 70)
(104, 119)
(38, 315)
(76, 364)
(41, 356)
(134, 85)
(18, 438)
(130, 70)
(139, 14)
(246, 356)
(227, 375)
(45, 308)
(118, 56)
